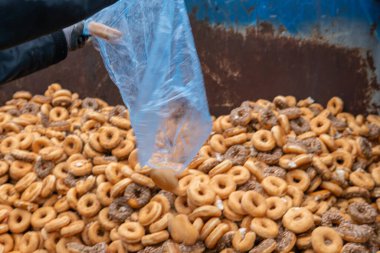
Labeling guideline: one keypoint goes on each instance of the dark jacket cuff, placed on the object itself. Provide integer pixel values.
(60, 42)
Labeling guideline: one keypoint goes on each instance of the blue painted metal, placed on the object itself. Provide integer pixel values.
(292, 14)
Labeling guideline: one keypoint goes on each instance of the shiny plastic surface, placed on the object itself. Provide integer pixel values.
(156, 68)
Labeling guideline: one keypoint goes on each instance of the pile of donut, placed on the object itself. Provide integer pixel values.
(274, 176)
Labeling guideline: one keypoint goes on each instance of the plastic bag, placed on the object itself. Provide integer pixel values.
(157, 70)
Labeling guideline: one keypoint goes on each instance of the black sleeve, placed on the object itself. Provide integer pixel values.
(24, 20)
(31, 56)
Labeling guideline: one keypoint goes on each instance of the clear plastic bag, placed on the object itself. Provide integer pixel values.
(157, 70)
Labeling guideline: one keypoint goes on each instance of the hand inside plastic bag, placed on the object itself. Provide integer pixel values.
(156, 68)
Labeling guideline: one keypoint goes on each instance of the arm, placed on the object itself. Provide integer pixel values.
(23, 20)
(31, 56)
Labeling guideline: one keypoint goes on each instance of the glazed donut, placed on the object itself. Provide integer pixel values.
(254, 204)
(58, 114)
(30, 242)
(299, 179)
(276, 207)
(80, 168)
(142, 180)
(332, 187)
(7, 242)
(19, 169)
(239, 174)
(217, 143)
(97, 234)
(205, 211)
(155, 238)
(63, 243)
(25, 140)
(19, 220)
(335, 105)
(42, 216)
(362, 179)
(223, 185)
(326, 240)
(295, 194)
(236, 140)
(88, 205)
(25, 181)
(150, 213)
(114, 172)
(243, 241)
(263, 140)
(264, 227)
(8, 194)
(131, 232)
(274, 186)
(165, 201)
(109, 137)
(278, 135)
(181, 205)
(183, 185)
(72, 144)
(298, 219)
(8, 144)
(200, 194)
(234, 202)
(320, 125)
(215, 235)
(123, 150)
(40, 143)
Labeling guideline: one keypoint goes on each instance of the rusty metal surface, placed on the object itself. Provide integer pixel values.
(236, 67)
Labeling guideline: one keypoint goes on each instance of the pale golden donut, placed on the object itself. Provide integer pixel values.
(254, 204)
(274, 186)
(239, 174)
(217, 143)
(335, 105)
(264, 227)
(42, 216)
(150, 213)
(200, 194)
(215, 235)
(97, 234)
(223, 185)
(243, 242)
(181, 205)
(221, 168)
(299, 179)
(298, 220)
(326, 240)
(30, 242)
(155, 238)
(320, 125)
(263, 140)
(19, 220)
(276, 207)
(131, 232)
(88, 205)
(235, 202)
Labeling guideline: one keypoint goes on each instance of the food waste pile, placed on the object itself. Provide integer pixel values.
(274, 176)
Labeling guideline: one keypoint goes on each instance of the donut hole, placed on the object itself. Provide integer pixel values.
(327, 241)
(340, 160)
(100, 232)
(89, 203)
(263, 138)
(19, 219)
(221, 185)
